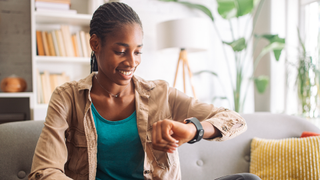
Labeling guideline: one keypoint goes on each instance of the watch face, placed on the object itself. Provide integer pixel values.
(201, 132)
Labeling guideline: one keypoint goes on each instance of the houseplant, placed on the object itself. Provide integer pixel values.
(307, 82)
(233, 10)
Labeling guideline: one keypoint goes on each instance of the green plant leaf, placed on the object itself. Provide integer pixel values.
(235, 8)
(261, 83)
(276, 47)
(302, 44)
(276, 44)
(200, 7)
(237, 45)
(206, 71)
(271, 38)
(256, 2)
(219, 97)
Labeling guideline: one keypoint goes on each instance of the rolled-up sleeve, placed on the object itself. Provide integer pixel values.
(228, 122)
(51, 152)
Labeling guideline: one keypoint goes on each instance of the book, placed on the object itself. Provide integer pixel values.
(55, 43)
(43, 86)
(75, 45)
(46, 87)
(50, 43)
(51, 5)
(60, 81)
(39, 88)
(53, 85)
(40, 47)
(67, 40)
(88, 44)
(79, 44)
(83, 44)
(45, 43)
(62, 49)
(56, 1)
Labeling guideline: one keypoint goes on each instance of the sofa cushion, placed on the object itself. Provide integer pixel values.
(308, 134)
(291, 158)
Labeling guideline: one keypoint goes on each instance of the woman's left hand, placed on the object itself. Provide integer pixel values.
(167, 134)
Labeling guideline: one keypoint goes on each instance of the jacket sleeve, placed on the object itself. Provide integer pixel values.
(51, 152)
(228, 122)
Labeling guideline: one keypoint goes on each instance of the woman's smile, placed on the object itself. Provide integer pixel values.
(126, 74)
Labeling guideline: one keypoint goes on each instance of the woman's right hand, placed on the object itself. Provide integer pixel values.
(167, 134)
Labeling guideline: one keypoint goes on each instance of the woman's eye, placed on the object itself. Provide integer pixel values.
(137, 53)
(119, 52)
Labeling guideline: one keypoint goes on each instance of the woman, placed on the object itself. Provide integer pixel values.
(114, 125)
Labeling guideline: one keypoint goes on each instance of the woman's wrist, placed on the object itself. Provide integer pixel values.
(192, 131)
(210, 131)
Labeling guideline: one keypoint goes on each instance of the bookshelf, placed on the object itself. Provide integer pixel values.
(52, 59)
(16, 95)
(71, 19)
(74, 67)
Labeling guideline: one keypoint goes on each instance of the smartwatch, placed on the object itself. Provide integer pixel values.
(199, 128)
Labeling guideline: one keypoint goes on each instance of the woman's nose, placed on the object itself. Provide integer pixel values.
(131, 60)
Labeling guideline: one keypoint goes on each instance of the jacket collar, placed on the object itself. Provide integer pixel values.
(141, 85)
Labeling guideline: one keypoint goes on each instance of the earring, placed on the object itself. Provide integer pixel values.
(92, 62)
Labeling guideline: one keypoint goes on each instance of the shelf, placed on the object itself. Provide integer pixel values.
(56, 59)
(15, 95)
(71, 19)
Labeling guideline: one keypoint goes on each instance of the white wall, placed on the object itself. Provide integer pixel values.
(162, 64)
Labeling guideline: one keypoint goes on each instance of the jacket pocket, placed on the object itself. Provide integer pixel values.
(76, 137)
(160, 157)
(77, 152)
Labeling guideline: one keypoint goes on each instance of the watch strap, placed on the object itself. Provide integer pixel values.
(199, 128)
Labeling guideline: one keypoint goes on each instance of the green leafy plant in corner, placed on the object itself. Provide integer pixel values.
(233, 10)
(307, 82)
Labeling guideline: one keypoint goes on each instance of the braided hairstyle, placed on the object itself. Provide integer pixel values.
(108, 17)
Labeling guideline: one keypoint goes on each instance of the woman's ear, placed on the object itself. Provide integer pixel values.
(95, 43)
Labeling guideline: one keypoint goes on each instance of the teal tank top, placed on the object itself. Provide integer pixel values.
(120, 153)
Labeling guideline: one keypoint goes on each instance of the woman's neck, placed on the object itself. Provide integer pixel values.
(112, 89)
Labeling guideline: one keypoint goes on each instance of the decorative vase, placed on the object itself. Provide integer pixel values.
(13, 84)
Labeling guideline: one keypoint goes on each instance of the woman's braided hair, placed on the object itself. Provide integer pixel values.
(108, 17)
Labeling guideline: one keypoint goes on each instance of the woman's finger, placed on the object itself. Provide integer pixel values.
(159, 139)
(166, 129)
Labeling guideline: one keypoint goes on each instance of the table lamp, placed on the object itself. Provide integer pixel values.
(189, 35)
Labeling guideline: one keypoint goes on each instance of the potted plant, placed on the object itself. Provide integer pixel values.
(234, 10)
(307, 82)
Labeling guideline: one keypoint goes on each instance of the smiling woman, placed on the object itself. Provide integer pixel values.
(115, 125)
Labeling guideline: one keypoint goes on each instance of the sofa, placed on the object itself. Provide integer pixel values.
(203, 160)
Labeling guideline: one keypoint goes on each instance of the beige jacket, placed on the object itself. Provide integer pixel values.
(67, 147)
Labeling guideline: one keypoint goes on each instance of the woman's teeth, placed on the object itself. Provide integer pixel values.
(127, 73)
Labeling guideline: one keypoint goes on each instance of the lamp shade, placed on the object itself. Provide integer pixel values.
(191, 34)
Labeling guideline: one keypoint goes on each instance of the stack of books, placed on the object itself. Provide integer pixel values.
(62, 43)
(54, 6)
(46, 83)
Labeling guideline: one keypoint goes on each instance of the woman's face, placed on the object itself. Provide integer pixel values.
(120, 54)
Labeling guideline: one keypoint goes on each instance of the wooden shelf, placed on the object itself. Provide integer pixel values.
(56, 59)
(70, 19)
(15, 95)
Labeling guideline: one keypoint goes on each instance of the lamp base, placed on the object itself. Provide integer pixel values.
(185, 67)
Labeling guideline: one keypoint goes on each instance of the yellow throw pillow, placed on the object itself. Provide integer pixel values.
(286, 159)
